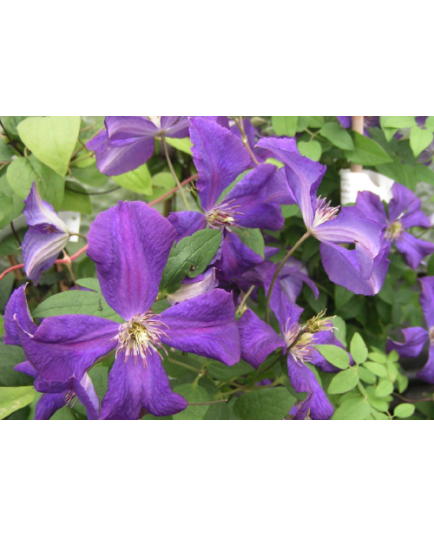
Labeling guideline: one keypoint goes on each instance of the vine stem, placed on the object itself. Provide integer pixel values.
(175, 176)
(277, 272)
(245, 297)
(240, 125)
(172, 191)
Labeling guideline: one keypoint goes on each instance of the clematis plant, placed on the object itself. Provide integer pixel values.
(67, 346)
(404, 212)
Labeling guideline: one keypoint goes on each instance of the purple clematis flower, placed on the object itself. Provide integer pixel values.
(361, 270)
(46, 237)
(258, 340)
(415, 338)
(220, 157)
(128, 142)
(130, 245)
(57, 394)
(404, 212)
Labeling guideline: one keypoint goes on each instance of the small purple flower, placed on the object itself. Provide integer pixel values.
(130, 245)
(415, 338)
(127, 142)
(404, 212)
(361, 270)
(57, 394)
(220, 157)
(46, 237)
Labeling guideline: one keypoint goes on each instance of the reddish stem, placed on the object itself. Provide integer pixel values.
(170, 192)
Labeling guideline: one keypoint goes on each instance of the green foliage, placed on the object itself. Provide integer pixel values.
(14, 398)
(338, 136)
(76, 198)
(284, 125)
(366, 152)
(358, 349)
(182, 144)
(344, 381)
(138, 180)
(253, 239)
(403, 411)
(311, 149)
(334, 355)
(264, 404)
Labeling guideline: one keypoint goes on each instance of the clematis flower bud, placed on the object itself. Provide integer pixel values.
(46, 237)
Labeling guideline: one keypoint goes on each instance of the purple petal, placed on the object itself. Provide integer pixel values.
(48, 404)
(427, 299)
(206, 326)
(38, 212)
(190, 289)
(291, 277)
(278, 190)
(236, 257)
(130, 245)
(304, 381)
(258, 339)
(18, 309)
(219, 157)
(406, 206)
(345, 120)
(249, 196)
(132, 388)
(351, 226)
(413, 249)
(303, 175)
(427, 373)
(342, 267)
(287, 312)
(26, 368)
(372, 207)
(128, 129)
(258, 274)
(175, 126)
(415, 338)
(187, 223)
(66, 346)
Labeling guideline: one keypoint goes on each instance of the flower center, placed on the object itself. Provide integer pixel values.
(156, 119)
(324, 212)
(291, 333)
(223, 216)
(303, 348)
(394, 230)
(140, 337)
(319, 323)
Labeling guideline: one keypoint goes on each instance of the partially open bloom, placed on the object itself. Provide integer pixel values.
(130, 245)
(416, 337)
(404, 212)
(361, 270)
(220, 157)
(46, 237)
(127, 142)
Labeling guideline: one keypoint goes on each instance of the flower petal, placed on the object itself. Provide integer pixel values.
(258, 339)
(192, 289)
(415, 338)
(38, 212)
(187, 223)
(342, 267)
(286, 311)
(344, 120)
(372, 207)
(406, 206)
(236, 258)
(219, 157)
(17, 310)
(175, 126)
(204, 325)
(427, 299)
(128, 129)
(427, 373)
(48, 404)
(132, 388)
(304, 381)
(413, 249)
(278, 190)
(130, 245)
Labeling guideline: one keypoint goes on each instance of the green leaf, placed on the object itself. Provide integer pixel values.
(182, 144)
(138, 180)
(424, 174)
(284, 125)
(402, 382)
(51, 139)
(310, 149)
(429, 123)
(354, 409)
(77, 302)
(264, 404)
(366, 375)
(377, 357)
(76, 198)
(14, 398)
(358, 349)
(402, 411)
(399, 122)
(315, 121)
(219, 371)
(2, 330)
(419, 140)
(11, 123)
(334, 355)
(218, 412)
(6, 203)
(337, 135)
(431, 265)
(381, 404)
(366, 152)
(384, 388)
(11, 356)
(89, 175)
(190, 257)
(252, 238)
(343, 381)
(161, 184)
(393, 356)
(341, 329)
(377, 369)
(288, 211)
(23, 171)
(193, 394)
(6, 152)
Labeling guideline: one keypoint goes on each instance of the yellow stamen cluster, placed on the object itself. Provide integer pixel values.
(394, 230)
(319, 323)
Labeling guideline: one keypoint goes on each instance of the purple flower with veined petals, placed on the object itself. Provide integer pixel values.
(415, 338)
(404, 212)
(46, 237)
(56, 394)
(361, 270)
(130, 245)
(258, 340)
(220, 157)
(127, 142)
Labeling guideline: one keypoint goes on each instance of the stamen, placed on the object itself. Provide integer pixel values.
(303, 348)
(318, 323)
(223, 216)
(431, 335)
(324, 212)
(140, 337)
(291, 333)
(394, 230)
